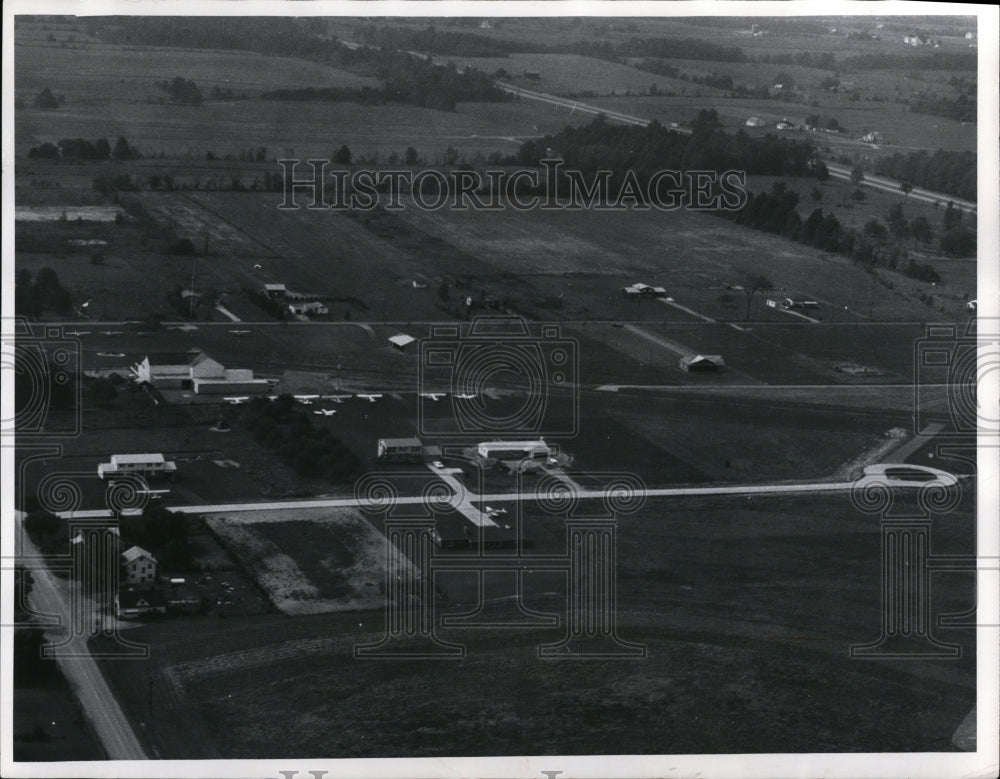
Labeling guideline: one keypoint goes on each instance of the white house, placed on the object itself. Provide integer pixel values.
(138, 565)
(147, 464)
(312, 307)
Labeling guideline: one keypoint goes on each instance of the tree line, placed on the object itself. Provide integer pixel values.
(82, 149)
(951, 172)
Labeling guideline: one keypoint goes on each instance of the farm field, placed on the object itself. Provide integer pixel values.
(741, 632)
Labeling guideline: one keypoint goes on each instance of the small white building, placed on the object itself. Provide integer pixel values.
(138, 565)
(313, 307)
(514, 450)
(701, 362)
(197, 372)
(147, 464)
(275, 290)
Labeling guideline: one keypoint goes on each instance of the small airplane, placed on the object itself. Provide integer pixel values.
(336, 398)
(370, 398)
(327, 412)
(78, 332)
(183, 328)
(111, 332)
(237, 399)
(465, 396)
(435, 396)
(492, 512)
(257, 267)
(306, 399)
(239, 332)
(111, 354)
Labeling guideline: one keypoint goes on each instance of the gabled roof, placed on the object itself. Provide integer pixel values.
(134, 553)
(401, 340)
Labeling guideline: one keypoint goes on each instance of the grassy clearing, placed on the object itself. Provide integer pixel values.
(321, 561)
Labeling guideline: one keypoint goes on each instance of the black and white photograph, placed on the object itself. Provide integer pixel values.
(500, 389)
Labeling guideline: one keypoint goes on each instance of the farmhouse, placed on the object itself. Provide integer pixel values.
(197, 371)
(514, 450)
(400, 450)
(138, 565)
(701, 362)
(133, 602)
(146, 465)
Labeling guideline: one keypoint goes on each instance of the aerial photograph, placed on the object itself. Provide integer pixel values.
(588, 388)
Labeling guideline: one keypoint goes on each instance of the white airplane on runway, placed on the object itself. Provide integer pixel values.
(111, 332)
(78, 332)
(465, 396)
(305, 399)
(111, 354)
(336, 398)
(327, 412)
(237, 400)
(239, 333)
(435, 396)
(370, 398)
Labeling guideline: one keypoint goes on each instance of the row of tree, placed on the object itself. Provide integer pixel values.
(44, 292)
(82, 149)
(952, 172)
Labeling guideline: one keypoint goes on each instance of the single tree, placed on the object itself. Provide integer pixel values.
(753, 284)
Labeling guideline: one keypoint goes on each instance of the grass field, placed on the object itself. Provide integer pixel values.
(310, 562)
(759, 601)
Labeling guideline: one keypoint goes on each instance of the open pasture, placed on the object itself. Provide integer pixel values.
(310, 561)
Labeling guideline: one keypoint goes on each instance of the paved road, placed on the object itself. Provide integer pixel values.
(890, 185)
(874, 474)
(85, 678)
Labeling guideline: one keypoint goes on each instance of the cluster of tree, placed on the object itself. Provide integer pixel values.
(961, 108)
(816, 120)
(49, 532)
(313, 452)
(196, 306)
(32, 667)
(435, 41)
(46, 101)
(82, 149)
(103, 390)
(44, 292)
(268, 35)
(407, 79)
(952, 172)
(644, 151)
(161, 532)
(776, 212)
(957, 239)
(938, 60)
(182, 91)
(259, 298)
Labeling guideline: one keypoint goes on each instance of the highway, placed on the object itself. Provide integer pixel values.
(889, 185)
(73, 658)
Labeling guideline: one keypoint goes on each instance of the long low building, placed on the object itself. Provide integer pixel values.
(195, 370)
(146, 464)
(514, 450)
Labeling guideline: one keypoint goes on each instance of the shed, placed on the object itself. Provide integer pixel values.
(401, 340)
(701, 362)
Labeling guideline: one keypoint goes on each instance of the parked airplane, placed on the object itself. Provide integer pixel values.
(78, 332)
(370, 398)
(305, 399)
(111, 354)
(336, 398)
(111, 332)
(327, 412)
(465, 396)
(435, 396)
(239, 333)
(237, 400)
